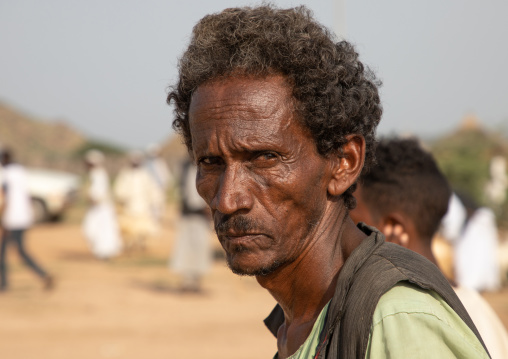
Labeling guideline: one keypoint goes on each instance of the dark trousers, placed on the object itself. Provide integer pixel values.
(15, 236)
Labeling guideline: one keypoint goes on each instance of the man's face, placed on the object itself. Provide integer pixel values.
(258, 170)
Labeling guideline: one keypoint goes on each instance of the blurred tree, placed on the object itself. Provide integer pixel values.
(105, 147)
(464, 157)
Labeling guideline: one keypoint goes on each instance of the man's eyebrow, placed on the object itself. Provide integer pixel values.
(256, 148)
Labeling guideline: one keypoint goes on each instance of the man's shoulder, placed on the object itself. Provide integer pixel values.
(427, 323)
(407, 298)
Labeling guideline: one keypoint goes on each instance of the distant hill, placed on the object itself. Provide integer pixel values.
(38, 143)
(50, 144)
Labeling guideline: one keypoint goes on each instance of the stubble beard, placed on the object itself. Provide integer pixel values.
(243, 223)
(254, 272)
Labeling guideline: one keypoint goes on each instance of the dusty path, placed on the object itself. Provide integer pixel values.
(126, 308)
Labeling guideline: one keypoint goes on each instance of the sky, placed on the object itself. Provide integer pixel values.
(104, 66)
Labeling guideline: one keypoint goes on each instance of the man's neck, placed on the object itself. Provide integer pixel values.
(423, 246)
(303, 287)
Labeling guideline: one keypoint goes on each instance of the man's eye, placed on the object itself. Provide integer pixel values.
(268, 156)
(265, 156)
(208, 161)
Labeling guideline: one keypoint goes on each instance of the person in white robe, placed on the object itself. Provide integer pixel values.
(158, 169)
(192, 255)
(474, 239)
(100, 225)
(136, 193)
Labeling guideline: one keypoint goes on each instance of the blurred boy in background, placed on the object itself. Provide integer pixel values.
(405, 195)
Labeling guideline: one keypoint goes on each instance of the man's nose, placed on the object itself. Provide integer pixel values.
(233, 194)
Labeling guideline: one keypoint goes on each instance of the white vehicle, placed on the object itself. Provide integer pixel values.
(51, 192)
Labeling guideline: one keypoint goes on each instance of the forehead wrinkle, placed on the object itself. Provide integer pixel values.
(240, 116)
(241, 109)
(217, 94)
(246, 123)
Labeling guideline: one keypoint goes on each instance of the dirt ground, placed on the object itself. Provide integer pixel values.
(128, 308)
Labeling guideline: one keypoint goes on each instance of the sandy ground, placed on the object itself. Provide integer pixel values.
(128, 308)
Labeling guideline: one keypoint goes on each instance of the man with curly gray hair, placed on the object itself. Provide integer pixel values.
(281, 121)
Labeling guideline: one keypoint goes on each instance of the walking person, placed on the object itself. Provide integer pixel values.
(192, 257)
(472, 232)
(100, 225)
(136, 193)
(156, 166)
(17, 217)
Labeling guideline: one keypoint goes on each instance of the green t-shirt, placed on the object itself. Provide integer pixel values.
(413, 323)
(409, 322)
(308, 348)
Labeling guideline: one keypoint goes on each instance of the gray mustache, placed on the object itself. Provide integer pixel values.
(237, 223)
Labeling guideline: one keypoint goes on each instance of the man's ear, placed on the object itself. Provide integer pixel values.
(347, 167)
(395, 228)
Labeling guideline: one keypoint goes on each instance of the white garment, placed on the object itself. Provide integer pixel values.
(486, 321)
(476, 262)
(452, 223)
(159, 172)
(100, 225)
(475, 246)
(192, 254)
(18, 210)
(101, 230)
(136, 190)
(98, 191)
(137, 194)
(158, 169)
